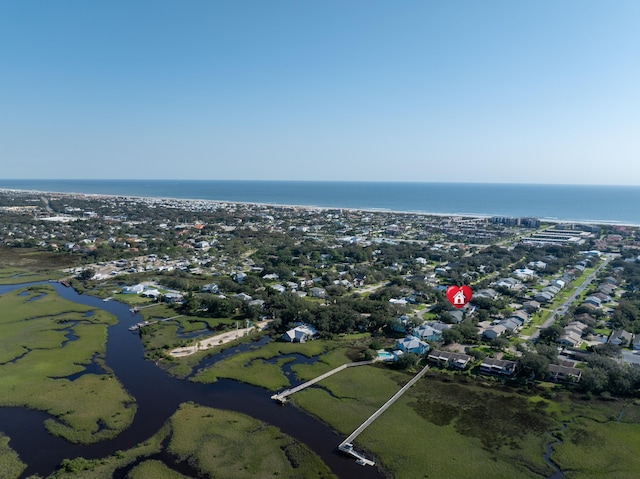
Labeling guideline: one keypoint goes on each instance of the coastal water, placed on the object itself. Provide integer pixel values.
(601, 204)
(158, 396)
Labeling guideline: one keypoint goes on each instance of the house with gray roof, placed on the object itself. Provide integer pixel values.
(427, 333)
(300, 334)
(498, 367)
(411, 344)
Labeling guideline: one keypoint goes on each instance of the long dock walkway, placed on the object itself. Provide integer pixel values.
(346, 446)
(282, 397)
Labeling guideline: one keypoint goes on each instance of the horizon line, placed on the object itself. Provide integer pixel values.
(500, 183)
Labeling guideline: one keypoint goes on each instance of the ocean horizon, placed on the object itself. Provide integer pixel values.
(571, 203)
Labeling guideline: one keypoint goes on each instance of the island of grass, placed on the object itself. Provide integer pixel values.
(46, 343)
(206, 442)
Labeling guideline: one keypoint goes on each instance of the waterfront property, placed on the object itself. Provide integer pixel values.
(498, 367)
(449, 359)
(300, 334)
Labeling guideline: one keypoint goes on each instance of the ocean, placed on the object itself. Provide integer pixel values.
(579, 203)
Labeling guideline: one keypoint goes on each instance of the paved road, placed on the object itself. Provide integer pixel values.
(562, 309)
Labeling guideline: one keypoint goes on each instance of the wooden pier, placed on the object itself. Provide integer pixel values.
(346, 446)
(137, 326)
(282, 397)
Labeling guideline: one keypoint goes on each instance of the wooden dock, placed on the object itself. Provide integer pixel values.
(282, 397)
(346, 446)
(137, 326)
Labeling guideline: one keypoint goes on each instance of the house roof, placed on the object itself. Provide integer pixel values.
(566, 370)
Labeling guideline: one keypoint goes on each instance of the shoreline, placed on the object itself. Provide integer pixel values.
(325, 208)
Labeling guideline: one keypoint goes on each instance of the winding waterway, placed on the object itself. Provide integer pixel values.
(158, 396)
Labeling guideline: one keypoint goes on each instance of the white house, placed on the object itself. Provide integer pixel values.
(211, 288)
(135, 289)
(300, 333)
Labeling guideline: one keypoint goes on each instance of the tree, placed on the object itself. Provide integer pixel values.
(406, 361)
(452, 336)
(533, 364)
(86, 274)
(190, 304)
(551, 334)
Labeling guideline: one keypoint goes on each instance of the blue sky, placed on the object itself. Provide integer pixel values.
(474, 91)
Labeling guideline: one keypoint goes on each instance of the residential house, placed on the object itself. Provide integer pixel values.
(486, 293)
(537, 265)
(543, 297)
(521, 315)
(150, 293)
(552, 290)
(172, 297)
(243, 297)
(210, 288)
(316, 292)
(135, 289)
(531, 306)
(594, 300)
(524, 273)
(300, 334)
(512, 324)
(456, 316)
(449, 359)
(564, 373)
(427, 333)
(439, 325)
(279, 288)
(621, 338)
(402, 324)
(497, 366)
(508, 283)
(411, 344)
(571, 339)
(493, 332)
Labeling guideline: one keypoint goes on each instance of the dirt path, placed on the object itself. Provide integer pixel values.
(217, 340)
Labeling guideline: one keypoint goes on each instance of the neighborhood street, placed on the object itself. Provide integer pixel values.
(562, 309)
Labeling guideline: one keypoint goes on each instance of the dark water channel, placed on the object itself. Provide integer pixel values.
(558, 474)
(158, 396)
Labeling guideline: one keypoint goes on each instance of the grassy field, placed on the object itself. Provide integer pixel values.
(10, 464)
(36, 354)
(214, 442)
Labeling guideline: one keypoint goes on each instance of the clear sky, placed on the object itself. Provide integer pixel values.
(544, 91)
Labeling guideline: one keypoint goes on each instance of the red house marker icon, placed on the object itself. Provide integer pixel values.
(458, 296)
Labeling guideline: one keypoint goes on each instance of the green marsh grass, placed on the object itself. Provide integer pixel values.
(36, 358)
(232, 445)
(11, 466)
(154, 469)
